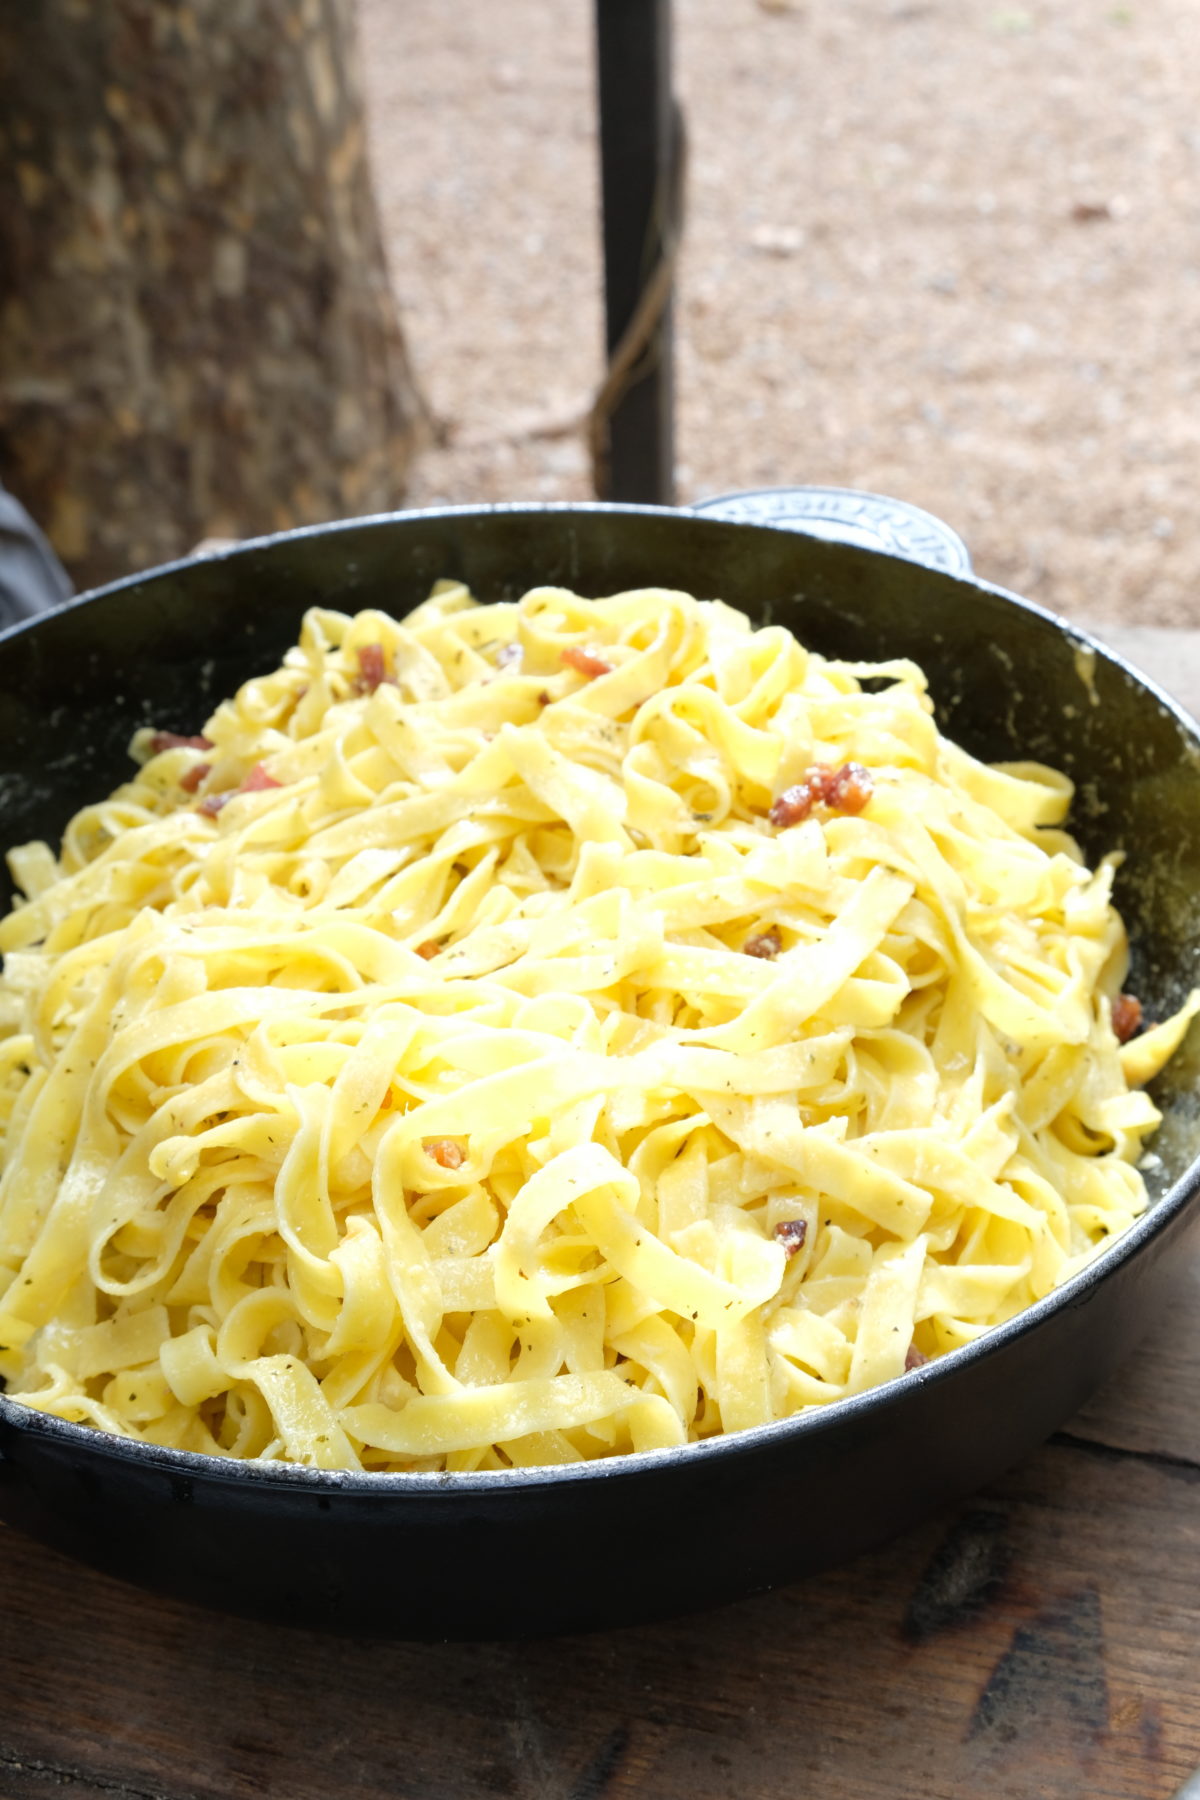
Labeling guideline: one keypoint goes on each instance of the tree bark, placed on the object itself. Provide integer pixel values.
(197, 335)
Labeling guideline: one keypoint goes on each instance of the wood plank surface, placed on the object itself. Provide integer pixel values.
(1041, 1640)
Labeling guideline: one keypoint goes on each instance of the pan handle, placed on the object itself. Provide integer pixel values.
(848, 516)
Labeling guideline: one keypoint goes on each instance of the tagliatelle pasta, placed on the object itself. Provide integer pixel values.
(541, 1031)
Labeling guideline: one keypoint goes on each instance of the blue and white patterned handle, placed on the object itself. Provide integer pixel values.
(850, 517)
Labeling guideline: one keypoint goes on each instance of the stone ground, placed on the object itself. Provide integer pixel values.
(942, 249)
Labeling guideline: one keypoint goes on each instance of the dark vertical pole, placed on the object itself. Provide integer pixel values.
(636, 147)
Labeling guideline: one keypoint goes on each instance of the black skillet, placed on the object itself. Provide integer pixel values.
(535, 1551)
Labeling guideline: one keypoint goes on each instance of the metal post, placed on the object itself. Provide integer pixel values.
(639, 147)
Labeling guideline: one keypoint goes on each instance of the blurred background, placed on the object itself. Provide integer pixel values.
(941, 249)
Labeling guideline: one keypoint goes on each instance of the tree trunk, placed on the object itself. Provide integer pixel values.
(197, 336)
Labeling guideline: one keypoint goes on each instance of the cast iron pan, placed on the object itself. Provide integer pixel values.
(538, 1551)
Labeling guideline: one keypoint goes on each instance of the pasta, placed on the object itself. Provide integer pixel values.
(536, 1032)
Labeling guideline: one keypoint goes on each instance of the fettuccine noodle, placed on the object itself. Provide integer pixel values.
(535, 1032)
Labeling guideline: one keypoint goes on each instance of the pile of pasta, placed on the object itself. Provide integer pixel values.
(541, 1031)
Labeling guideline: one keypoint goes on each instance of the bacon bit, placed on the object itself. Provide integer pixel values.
(767, 944)
(791, 1233)
(1126, 1017)
(445, 1152)
(429, 949)
(191, 778)
(587, 662)
(510, 657)
(795, 804)
(387, 1102)
(914, 1359)
(544, 698)
(372, 667)
(258, 780)
(846, 790)
(849, 788)
(171, 740)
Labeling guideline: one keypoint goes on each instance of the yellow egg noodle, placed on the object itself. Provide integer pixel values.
(387, 1082)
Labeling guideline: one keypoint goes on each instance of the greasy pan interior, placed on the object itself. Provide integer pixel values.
(484, 1555)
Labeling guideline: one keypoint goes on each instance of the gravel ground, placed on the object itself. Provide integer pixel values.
(942, 249)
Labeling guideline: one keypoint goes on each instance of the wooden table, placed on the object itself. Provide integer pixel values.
(1041, 1640)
